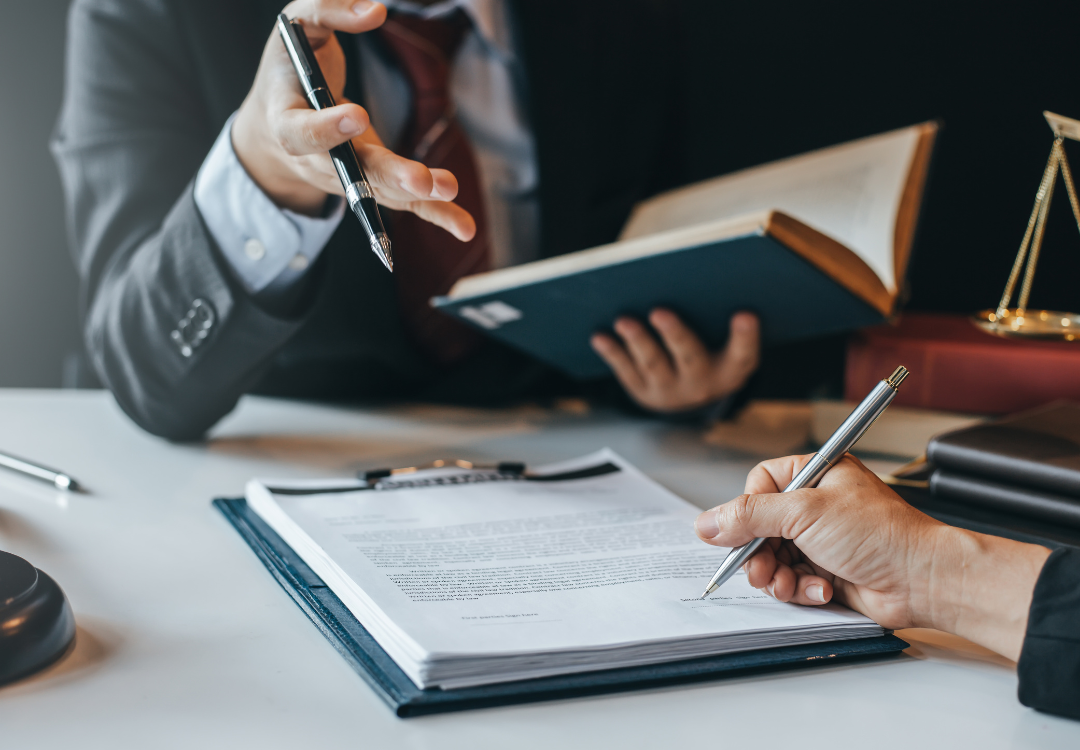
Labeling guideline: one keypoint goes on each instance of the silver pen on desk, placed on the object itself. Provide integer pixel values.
(58, 479)
(841, 441)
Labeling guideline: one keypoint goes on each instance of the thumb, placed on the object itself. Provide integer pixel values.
(321, 18)
(748, 517)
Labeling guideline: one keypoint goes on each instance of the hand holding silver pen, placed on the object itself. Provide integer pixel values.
(841, 441)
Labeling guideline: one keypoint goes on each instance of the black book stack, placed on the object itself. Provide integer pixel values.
(1026, 464)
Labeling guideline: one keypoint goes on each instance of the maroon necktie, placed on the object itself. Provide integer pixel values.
(428, 259)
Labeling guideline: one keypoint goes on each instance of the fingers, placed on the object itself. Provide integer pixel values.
(774, 475)
(809, 588)
(301, 131)
(749, 517)
(450, 216)
(679, 370)
(640, 364)
(648, 356)
(408, 185)
(740, 357)
(619, 361)
(686, 349)
(279, 140)
(397, 178)
(798, 583)
(323, 17)
(761, 567)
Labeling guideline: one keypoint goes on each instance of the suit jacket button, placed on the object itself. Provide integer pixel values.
(194, 327)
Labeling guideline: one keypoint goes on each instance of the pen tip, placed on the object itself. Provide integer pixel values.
(380, 245)
(703, 596)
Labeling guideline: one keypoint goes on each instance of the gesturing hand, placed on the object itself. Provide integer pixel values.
(855, 541)
(681, 373)
(283, 144)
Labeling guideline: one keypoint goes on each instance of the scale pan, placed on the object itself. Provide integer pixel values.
(1050, 325)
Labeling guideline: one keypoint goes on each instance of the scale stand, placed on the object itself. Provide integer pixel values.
(1018, 321)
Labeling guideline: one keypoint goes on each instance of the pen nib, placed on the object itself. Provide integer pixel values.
(703, 596)
(380, 245)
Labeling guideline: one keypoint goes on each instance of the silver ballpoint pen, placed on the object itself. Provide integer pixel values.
(58, 479)
(841, 441)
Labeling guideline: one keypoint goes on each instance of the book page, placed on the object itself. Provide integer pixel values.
(498, 569)
(850, 192)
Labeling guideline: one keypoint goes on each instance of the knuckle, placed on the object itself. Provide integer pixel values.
(813, 504)
(690, 360)
(285, 142)
(415, 178)
(309, 135)
(651, 362)
(742, 509)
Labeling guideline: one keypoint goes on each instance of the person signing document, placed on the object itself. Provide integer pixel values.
(854, 541)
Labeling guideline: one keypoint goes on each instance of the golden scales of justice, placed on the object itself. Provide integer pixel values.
(1019, 321)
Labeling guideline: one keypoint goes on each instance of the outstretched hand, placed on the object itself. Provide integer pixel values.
(678, 372)
(855, 541)
(284, 144)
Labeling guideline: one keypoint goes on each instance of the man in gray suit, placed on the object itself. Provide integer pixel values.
(207, 221)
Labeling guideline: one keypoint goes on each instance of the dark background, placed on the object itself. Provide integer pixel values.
(769, 80)
(38, 285)
(774, 79)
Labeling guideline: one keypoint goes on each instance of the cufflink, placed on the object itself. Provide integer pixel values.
(194, 327)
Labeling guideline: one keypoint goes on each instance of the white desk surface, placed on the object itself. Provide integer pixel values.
(185, 641)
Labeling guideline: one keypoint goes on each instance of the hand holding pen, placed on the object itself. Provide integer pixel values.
(284, 144)
(830, 454)
(854, 541)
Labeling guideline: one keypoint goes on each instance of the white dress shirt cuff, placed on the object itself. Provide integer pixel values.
(265, 245)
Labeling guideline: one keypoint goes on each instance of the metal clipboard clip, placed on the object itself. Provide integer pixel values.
(447, 472)
(440, 473)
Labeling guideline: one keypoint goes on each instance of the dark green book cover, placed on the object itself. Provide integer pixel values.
(552, 319)
(769, 240)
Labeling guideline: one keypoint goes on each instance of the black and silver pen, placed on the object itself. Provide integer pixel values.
(357, 190)
(58, 479)
(839, 443)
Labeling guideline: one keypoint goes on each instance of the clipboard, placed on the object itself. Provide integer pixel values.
(386, 679)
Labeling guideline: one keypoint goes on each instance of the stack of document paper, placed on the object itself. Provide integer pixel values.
(466, 578)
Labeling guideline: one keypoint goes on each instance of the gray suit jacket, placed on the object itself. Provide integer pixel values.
(169, 330)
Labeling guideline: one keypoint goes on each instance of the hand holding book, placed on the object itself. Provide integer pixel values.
(678, 372)
(814, 245)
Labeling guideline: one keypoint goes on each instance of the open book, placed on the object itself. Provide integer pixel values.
(814, 244)
(471, 578)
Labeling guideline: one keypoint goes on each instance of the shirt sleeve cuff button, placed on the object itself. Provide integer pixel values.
(254, 249)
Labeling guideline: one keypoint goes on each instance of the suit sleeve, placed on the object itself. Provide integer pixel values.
(168, 328)
(1049, 667)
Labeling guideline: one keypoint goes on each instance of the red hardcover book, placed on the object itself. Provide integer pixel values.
(958, 367)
